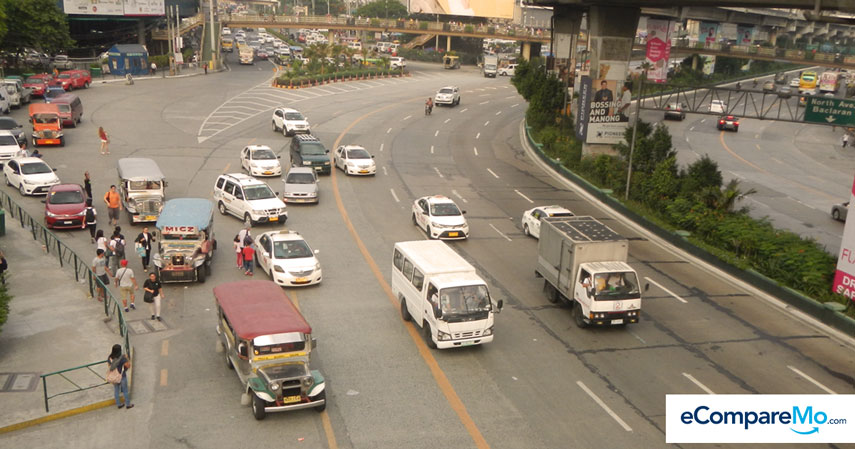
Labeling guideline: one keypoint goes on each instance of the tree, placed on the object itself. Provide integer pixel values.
(39, 24)
(3, 27)
(701, 175)
(392, 9)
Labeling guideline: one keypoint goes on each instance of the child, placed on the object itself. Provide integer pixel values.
(248, 253)
(238, 251)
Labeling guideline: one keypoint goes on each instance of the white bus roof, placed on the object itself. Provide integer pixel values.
(434, 257)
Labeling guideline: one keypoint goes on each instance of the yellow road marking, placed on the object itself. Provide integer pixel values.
(325, 420)
(164, 376)
(293, 296)
(438, 374)
(164, 348)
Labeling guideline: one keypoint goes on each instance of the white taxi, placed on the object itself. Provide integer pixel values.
(290, 121)
(259, 160)
(354, 160)
(532, 217)
(440, 218)
(31, 175)
(287, 259)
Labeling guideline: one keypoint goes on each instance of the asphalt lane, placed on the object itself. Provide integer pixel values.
(541, 383)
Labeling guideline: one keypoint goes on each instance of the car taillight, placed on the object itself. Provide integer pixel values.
(721, 122)
(736, 123)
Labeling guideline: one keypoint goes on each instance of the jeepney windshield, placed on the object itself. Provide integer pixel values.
(614, 286)
(44, 119)
(144, 185)
(467, 303)
(279, 348)
(180, 237)
(260, 192)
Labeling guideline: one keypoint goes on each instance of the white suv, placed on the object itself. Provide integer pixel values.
(287, 258)
(9, 146)
(440, 218)
(290, 121)
(449, 95)
(397, 63)
(259, 160)
(249, 199)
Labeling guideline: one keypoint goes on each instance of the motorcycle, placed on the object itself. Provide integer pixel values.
(428, 109)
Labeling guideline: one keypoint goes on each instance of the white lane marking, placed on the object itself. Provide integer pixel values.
(493, 173)
(475, 149)
(484, 102)
(437, 172)
(381, 147)
(526, 198)
(758, 146)
(703, 120)
(384, 170)
(464, 110)
(500, 232)
(692, 128)
(604, 406)
(515, 105)
(696, 382)
(388, 131)
(666, 290)
(486, 123)
(483, 95)
(431, 149)
(447, 120)
(687, 139)
(811, 380)
(454, 192)
(757, 136)
(393, 193)
(637, 337)
(407, 118)
(436, 133)
(510, 96)
(776, 160)
(498, 112)
(477, 136)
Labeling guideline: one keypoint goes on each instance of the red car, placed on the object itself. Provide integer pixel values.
(65, 207)
(38, 83)
(73, 79)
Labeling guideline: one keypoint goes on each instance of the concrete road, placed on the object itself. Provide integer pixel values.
(541, 383)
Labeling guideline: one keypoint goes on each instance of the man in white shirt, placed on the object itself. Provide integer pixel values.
(127, 283)
(625, 102)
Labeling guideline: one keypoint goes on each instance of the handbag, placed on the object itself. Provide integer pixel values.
(113, 376)
(140, 250)
(148, 297)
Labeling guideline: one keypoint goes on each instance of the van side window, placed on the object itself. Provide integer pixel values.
(230, 188)
(418, 279)
(408, 269)
(220, 183)
(398, 260)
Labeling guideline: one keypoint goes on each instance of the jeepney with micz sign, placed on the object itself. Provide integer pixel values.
(268, 344)
(185, 249)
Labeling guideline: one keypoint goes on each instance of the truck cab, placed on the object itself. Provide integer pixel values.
(607, 293)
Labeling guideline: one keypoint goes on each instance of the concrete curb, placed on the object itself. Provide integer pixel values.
(273, 83)
(835, 324)
(72, 412)
(142, 78)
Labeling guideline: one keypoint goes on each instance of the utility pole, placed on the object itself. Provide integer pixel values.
(213, 43)
(634, 131)
(170, 33)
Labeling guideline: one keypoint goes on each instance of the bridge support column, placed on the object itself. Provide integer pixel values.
(141, 32)
(611, 34)
(447, 44)
(526, 50)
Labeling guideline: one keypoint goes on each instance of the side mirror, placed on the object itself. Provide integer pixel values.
(314, 342)
(647, 286)
(279, 157)
(54, 169)
(275, 193)
(499, 305)
(317, 251)
(242, 350)
(372, 156)
(328, 151)
(463, 212)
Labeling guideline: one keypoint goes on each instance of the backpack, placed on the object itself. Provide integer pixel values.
(247, 241)
(119, 248)
(90, 215)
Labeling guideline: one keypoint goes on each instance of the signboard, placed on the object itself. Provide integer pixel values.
(844, 277)
(502, 9)
(114, 7)
(744, 34)
(707, 33)
(584, 108)
(833, 111)
(658, 49)
(709, 64)
(606, 125)
(144, 8)
(180, 230)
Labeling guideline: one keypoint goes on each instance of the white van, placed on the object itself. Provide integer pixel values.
(442, 293)
(5, 103)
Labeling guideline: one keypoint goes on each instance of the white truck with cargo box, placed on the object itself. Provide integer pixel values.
(583, 263)
(491, 66)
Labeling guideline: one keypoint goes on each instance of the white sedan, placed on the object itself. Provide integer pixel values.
(259, 160)
(440, 218)
(532, 217)
(287, 258)
(354, 160)
(30, 175)
(449, 95)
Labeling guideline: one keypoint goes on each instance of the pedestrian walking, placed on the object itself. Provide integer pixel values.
(153, 295)
(105, 140)
(100, 241)
(206, 68)
(3, 266)
(248, 264)
(143, 244)
(114, 205)
(117, 249)
(102, 274)
(127, 284)
(87, 185)
(119, 362)
(91, 218)
(153, 68)
(238, 248)
(845, 140)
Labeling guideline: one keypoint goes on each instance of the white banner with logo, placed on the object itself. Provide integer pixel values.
(658, 49)
(759, 418)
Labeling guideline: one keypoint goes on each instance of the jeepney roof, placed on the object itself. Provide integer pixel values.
(256, 308)
(138, 169)
(186, 212)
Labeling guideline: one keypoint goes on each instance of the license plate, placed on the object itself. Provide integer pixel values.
(467, 343)
(150, 218)
(67, 222)
(274, 218)
(268, 172)
(301, 280)
(50, 141)
(291, 399)
(617, 321)
(319, 168)
(363, 171)
(452, 234)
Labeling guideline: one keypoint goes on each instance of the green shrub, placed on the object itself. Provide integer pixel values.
(5, 299)
(423, 25)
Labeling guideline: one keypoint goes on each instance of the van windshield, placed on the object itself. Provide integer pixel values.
(466, 303)
(261, 192)
(64, 107)
(614, 286)
(313, 149)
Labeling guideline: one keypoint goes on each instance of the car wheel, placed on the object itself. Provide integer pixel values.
(835, 214)
(7, 180)
(21, 188)
(275, 128)
(427, 230)
(247, 220)
(200, 274)
(577, 316)
(428, 339)
(736, 129)
(405, 314)
(229, 363)
(62, 141)
(221, 207)
(258, 407)
(86, 85)
(323, 396)
(525, 230)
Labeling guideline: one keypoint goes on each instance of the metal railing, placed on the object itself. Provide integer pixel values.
(68, 259)
(62, 373)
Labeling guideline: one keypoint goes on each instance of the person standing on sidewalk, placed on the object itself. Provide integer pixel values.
(238, 248)
(100, 241)
(845, 140)
(143, 243)
(153, 295)
(120, 362)
(248, 253)
(102, 273)
(3, 266)
(114, 205)
(105, 140)
(153, 68)
(91, 219)
(117, 251)
(127, 284)
(87, 185)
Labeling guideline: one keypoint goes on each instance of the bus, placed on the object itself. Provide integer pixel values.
(807, 81)
(828, 82)
(228, 44)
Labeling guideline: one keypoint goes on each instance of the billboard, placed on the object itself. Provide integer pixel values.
(608, 112)
(114, 7)
(708, 33)
(658, 49)
(844, 277)
(503, 9)
(744, 34)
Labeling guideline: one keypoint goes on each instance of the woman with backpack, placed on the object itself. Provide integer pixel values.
(117, 249)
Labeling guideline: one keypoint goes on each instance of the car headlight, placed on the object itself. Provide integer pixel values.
(488, 331)
(278, 269)
(317, 266)
(50, 214)
(307, 381)
(442, 336)
(27, 181)
(327, 163)
(349, 163)
(307, 162)
(274, 386)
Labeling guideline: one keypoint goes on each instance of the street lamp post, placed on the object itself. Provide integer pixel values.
(634, 132)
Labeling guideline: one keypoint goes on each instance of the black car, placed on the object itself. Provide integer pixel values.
(308, 151)
(728, 122)
(9, 124)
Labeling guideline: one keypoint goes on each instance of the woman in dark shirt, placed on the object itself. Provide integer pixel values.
(119, 361)
(153, 290)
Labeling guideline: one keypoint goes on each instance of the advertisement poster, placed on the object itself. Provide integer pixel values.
(708, 33)
(144, 8)
(502, 9)
(844, 277)
(609, 115)
(94, 7)
(658, 49)
(745, 34)
(709, 64)
(584, 108)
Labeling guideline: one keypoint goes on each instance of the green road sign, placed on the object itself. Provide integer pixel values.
(830, 111)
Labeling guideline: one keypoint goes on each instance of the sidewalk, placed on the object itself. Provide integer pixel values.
(184, 73)
(52, 325)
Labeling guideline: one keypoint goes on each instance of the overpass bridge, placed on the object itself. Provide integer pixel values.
(830, 60)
